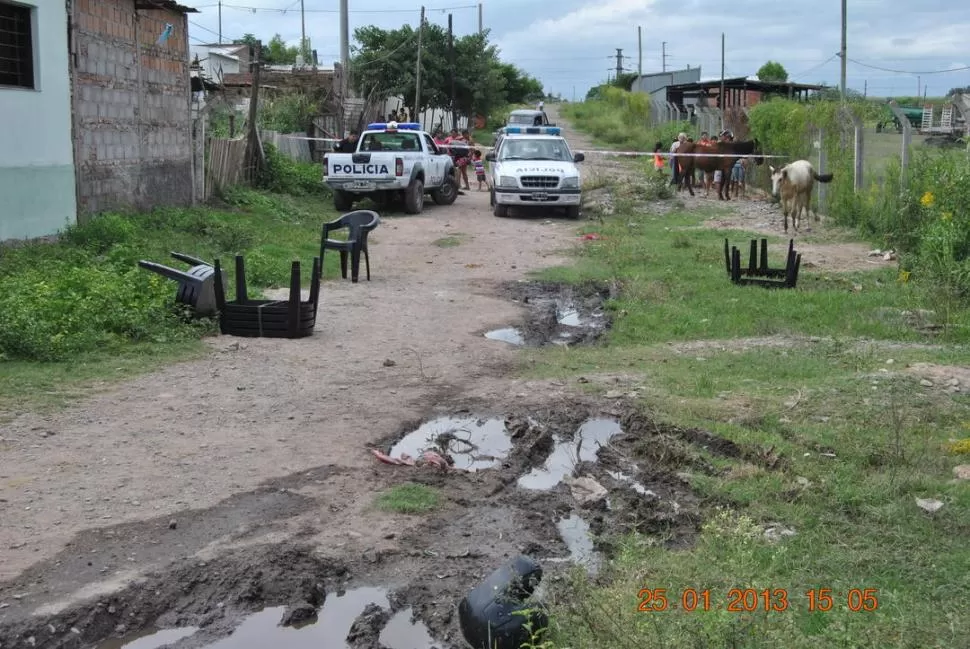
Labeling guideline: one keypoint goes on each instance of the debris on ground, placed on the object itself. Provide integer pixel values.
(586, 490)
(427, 459)
(929, 505)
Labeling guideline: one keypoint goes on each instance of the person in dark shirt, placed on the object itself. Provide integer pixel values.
(348, 144)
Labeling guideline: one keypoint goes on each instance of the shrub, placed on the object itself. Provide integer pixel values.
(620, 118)
(284, 175)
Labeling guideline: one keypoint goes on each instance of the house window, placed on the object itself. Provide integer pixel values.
(16, 46)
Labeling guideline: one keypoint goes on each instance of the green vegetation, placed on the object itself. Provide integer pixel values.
(619, 118)
(861, 436)
(916, 213)
(447, 242)
(83, 307)
(409, 498)
(386, 63)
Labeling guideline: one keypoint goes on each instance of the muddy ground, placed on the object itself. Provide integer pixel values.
(212, 489)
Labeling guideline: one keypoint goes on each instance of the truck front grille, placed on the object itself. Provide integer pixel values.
(540, 182)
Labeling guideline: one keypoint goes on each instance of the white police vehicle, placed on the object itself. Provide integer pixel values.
(393, 160)
(534, 167)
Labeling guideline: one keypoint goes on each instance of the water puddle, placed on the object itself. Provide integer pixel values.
(148, 639)
(568, 453)
(568, 316)
(401, 633)
(509, 335)
(636, 486)
(473, 443)
(329, 631)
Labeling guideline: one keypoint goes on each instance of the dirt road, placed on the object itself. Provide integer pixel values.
(178, 462)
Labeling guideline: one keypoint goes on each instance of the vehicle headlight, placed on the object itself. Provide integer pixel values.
(507, 181)
(571, 182)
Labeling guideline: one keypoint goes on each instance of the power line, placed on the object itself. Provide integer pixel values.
(876, 67)
(358, 11)
(814, 68)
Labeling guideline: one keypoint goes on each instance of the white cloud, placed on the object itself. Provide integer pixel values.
(573, 42)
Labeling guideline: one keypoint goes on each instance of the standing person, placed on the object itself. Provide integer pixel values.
(480, 170)
(681, 138)
(541, 105)
(348, 144)
(658, 159)
(461, 154)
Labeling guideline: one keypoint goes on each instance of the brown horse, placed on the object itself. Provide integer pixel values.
(712, 161)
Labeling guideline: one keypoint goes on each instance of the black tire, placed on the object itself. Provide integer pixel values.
(500, 211)
(342, 201)
(447, 193)
(414, 197)
(572, 212)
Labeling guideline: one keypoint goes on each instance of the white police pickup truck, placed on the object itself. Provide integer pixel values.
(392, 161)
(534, 167)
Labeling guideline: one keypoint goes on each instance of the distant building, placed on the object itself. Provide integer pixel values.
(655, 83)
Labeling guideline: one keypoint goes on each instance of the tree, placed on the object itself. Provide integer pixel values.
(385, 61)
(277, 52)
(958, 91)
(772, 72)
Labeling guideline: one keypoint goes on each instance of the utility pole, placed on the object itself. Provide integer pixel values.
(417, 72)
(303, 47)
(918, 84)
(619, 62)
(220, 22)
(663, 56)
(721, 97)
(344, 36)
(842, 50)
(481, 24)
(451, 65)
(639, 50)
(865, 88)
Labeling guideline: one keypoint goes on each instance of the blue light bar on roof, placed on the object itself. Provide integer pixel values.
(534, 130)
(394, 126)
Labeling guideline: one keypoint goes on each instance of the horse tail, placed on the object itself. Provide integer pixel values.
(822, 178)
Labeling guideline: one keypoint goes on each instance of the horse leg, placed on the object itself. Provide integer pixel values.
(689, 178)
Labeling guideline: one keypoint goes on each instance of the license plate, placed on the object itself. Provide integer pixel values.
(362, 184)
(540, 196)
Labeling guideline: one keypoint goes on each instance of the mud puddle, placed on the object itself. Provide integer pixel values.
(558, 315)
(508, 504)
(510, 335)
(339, 618)
(577, 536)
(472, 443)
(148, 639)
(568, 453)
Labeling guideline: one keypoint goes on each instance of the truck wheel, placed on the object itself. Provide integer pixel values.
(572, 212)
(447, 193)
(500, 210)
(342, 201)
(414, 197)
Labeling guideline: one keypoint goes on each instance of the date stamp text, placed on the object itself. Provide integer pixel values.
(750, 600)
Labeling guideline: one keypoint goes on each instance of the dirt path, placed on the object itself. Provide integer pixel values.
(244, 479)
(88, 495)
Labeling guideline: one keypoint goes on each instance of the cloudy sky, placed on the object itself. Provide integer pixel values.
(570, 45)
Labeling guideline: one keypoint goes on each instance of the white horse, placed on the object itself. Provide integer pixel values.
(794, 182)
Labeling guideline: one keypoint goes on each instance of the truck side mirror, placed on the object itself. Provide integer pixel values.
(579, 157)
(490, 157)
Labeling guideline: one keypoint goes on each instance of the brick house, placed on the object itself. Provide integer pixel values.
(132, 103)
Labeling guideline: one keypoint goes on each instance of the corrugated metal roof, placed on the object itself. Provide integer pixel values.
(169, 5)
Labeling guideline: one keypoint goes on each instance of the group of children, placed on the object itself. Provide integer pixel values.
(458, 144)
(737, 180)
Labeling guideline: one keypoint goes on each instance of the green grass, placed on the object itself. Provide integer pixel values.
(409, 498)
(447, 242)
(79, 312)
(856, 522)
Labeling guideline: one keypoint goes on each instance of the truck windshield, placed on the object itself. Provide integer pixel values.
(528, 120)
(390, 142)
(547, 149)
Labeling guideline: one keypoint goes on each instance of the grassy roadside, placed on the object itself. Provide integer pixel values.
(819, 373)
(78, 314)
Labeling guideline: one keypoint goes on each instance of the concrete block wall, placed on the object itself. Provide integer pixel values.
(133, 124)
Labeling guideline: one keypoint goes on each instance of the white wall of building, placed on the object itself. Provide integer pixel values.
(37, 180)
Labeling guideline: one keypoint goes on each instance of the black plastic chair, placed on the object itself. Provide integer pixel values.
(359, 224)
